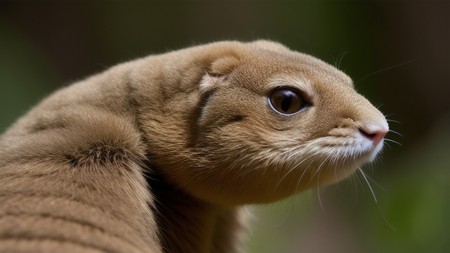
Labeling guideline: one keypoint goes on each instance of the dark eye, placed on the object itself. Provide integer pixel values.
(286, 100)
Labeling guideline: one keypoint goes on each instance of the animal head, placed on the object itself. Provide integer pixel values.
(235, 123)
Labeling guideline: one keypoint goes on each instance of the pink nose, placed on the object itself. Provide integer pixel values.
(375, 135)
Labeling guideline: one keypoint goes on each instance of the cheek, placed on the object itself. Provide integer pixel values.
(247, 157)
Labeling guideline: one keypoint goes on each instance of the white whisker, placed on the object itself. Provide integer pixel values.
(383, 70)
(354, 186)
(294, 168)
(374, 182)
(390, 140)
(320, 202)
(368, 184)
(395, 132)
(394, 121)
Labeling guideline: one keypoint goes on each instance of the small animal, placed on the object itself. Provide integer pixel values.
(161, 154)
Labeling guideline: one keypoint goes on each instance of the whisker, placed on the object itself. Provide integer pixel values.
(367, 178)
(394, 121)
(320, 202)
(384, 70)
(387, 145)
(318, 170)
(358, 180)
(395, 132)
(304, 172)
(385, 219)
(398, 143)
(339, 59)
(294, 168)
(374, 182)
(354, 186)
(318, 182)
(368, 184)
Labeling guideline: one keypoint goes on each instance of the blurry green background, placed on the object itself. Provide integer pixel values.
(397, 52)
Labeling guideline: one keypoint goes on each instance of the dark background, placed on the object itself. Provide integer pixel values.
(397, 52)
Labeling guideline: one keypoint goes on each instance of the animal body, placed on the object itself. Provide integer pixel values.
(161, 153)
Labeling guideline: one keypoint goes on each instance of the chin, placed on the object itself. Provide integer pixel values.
(334, 174)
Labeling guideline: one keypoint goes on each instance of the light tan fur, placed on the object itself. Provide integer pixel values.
(159, 154)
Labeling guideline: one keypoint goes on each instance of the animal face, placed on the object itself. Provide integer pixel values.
(268, 123)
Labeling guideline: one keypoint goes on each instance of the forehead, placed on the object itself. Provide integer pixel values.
(266, 69)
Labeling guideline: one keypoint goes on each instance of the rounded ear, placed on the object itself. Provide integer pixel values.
(217, 73)
(223, 66)
(270, 46)
(209, 83)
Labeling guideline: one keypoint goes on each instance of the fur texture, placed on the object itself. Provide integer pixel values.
(158, 154)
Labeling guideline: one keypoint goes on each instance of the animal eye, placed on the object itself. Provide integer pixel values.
(286, 100)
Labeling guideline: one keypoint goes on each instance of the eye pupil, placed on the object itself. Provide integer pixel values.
(286, 101)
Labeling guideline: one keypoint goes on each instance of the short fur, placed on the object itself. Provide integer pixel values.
(158, 154)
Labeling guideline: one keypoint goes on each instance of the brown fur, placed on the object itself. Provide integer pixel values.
(157, 154)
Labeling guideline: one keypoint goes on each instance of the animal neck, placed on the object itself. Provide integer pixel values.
(190, 225)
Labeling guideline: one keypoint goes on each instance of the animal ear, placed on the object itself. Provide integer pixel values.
(223, 66)
(209, 83)
(217, 73)
(270, 46)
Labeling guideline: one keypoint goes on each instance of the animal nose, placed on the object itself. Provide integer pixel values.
(374, 133)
